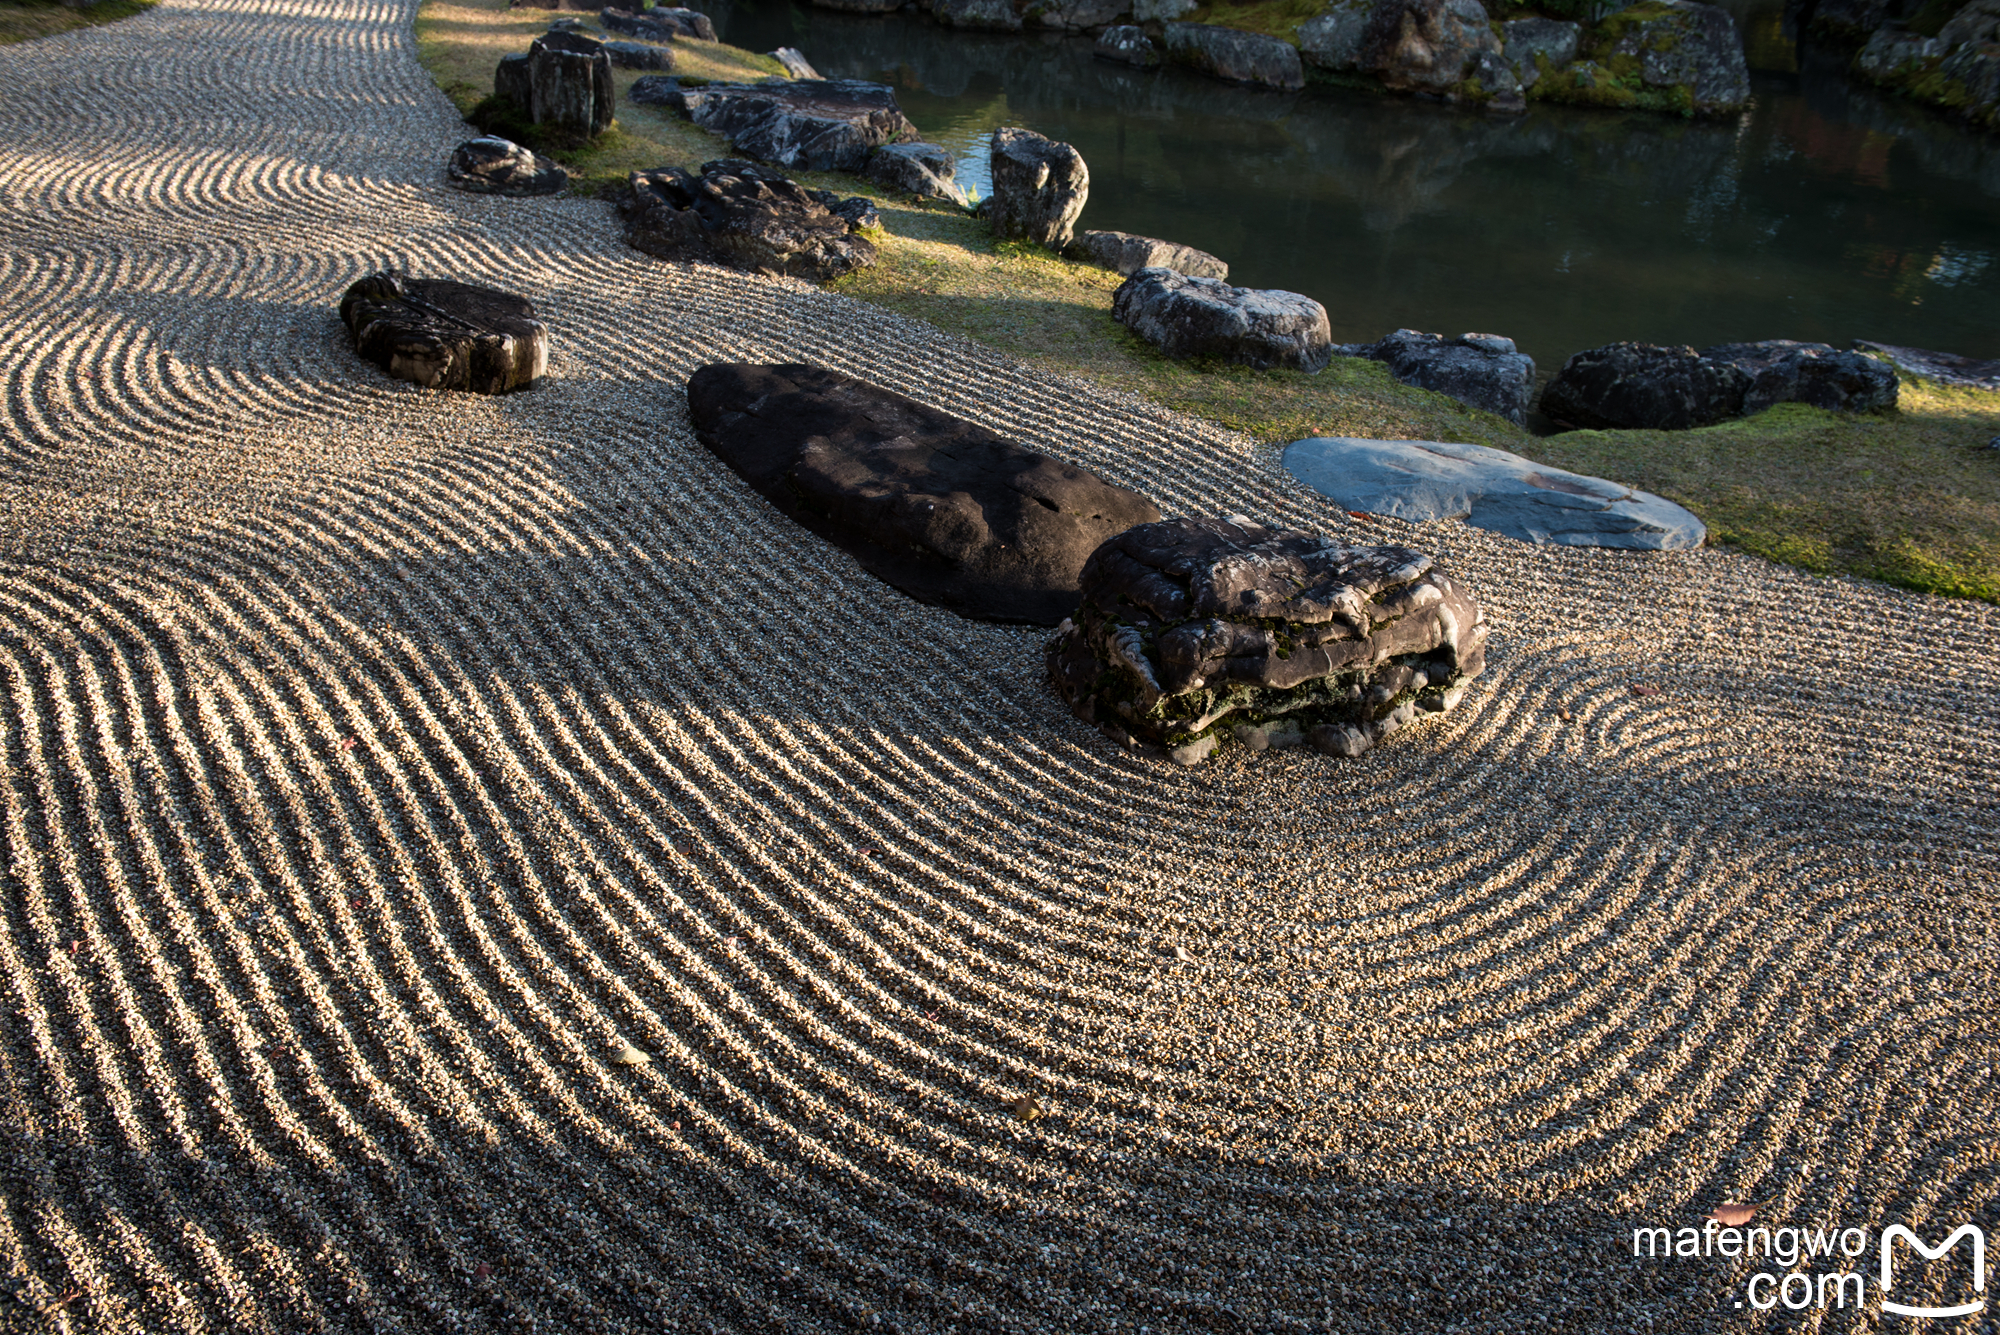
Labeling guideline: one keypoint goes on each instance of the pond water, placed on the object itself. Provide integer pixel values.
(1827, 212)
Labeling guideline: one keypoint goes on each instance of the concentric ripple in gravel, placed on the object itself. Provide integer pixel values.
(377, 762)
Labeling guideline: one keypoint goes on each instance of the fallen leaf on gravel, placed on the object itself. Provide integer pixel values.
(1645, 690)
(347, 743)
(482, 1270)
(1734, 1214)
(1027, 1108)
(866, 852)
(1565, 713)
(627, 1055)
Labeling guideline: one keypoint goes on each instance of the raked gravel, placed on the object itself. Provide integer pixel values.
(379, 762)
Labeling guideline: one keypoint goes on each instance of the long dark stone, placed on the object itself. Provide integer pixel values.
(446, 335)
(943, 509)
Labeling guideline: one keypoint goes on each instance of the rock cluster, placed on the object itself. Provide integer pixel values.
(943, 509)
(491, 165)
(746, 217)
(1644, 386)
(1186, 316)
(1039, 187)
(1190, 631)
(812, 124)
(1955, 65)
(1483, 370)
(444, 334)
(1125, 253)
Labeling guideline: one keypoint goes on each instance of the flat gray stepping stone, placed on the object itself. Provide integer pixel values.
(1421, 480)
(446, 335)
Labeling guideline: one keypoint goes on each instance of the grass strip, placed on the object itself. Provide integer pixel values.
(25, 20)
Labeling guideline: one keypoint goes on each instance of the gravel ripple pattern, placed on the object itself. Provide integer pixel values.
(376, 763)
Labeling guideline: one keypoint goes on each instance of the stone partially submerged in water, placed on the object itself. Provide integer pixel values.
(1190, 631)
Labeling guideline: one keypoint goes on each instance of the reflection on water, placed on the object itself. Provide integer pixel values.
(1826, 213)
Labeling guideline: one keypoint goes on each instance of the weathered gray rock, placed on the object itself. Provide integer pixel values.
(1240, 57)
(1976, 24)
(1423, 480)
(978, 15)
(659, 24)
(491, 165)
(1947, 368)
(742, 216)
(1817, 374)
(511, 81)
(1074, 15)
(1331, 40)
(1696, 47)
(640, 55)
(1483, 370)
(945, 510)
(1039, 187)
(1535, 45)
(1192, 630)
(1425, 45)
(1890, 52)
(1624, 386)
(858, 211)
(813, 124)
(446, 335)
(1124, 253)
(569, 83)
(795, 62)
(1127, 45)
(1186, 316)
(1162, 11)
(1495, 79)
(655, 90)
(926, 170)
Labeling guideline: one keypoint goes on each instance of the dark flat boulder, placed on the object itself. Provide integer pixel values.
(1947, 368)
(1423, 480)
(1817, 374)
(1483, 370)
(446, 335)
(1235, 55)
(947, 511)
(1185, 316)
(1125, 253)
(659, 24)
(1192, 631)
(491, 165)
(640, 55)
(811, 124)
(745, 217)
(1628, 386)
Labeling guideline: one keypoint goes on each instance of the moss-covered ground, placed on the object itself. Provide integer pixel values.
(25, 20)
(1911, 496)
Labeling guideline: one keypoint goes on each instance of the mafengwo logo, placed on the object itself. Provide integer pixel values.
(1814, 1268)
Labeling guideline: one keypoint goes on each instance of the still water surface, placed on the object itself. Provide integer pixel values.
(1826, 213)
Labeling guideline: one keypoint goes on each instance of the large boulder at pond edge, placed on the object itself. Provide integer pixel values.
(1425, 45)
(1039, 187)
(925, 170)
(943, 509)
(1127, 45)
(446, 335)
(1231, 53)
(742, 216)
(1816, 374)
(1423, 480)
(1185, 316)
(1192, 631)
(1125, 253)
(491, 165)
(1683, 45)
(1483, 370)
(1332, 40)
(811, 124)
(1624, 386)
(660, 24)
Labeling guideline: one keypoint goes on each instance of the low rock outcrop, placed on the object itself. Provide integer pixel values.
(1958, 69)
(491, 165)
(1816, 374)
(1331, 40)
(1125, 253)
(1424, 480)
(446, 335)
(1039, 187)
(1127, 45)
(926, 170)
(1238, 56)
(813, 124)
(1483, 370)
(1533, 46)
(744, 217)
(1192, 631)
(978, 15)
(640, 55)
(945, 510)
(1074, 15)
(1657, 55)
(1947, 368)
(659, 24)
(1186, 316)
(1624, 386)
(1425, 45)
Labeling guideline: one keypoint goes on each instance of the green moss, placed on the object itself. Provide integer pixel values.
(26, 20)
